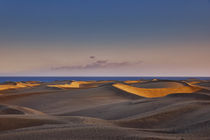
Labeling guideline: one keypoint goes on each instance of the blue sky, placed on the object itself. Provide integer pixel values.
(44, 35)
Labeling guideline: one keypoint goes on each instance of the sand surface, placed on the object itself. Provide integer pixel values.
(105, 110)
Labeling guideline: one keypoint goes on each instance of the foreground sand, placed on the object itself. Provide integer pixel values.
(105, 110)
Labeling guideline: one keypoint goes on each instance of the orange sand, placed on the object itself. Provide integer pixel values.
(155, 92)
(18, 85)
(79, 84)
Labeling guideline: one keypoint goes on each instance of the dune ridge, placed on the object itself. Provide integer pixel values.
(17, 85)
(80, 84)
(132, 81)
(13, 109)
(155, 92)
(104, 110)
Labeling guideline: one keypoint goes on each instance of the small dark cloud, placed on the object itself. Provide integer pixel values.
(92, 57)
(98, 64)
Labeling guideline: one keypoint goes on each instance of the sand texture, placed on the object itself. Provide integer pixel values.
(105, 110)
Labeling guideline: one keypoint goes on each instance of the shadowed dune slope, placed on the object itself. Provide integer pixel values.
(81, 132)
(205, 85)
(160, 84)
(11, 109)
(60, 101)
(10, 122)
(129, 109)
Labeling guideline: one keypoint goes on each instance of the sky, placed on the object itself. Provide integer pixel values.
(104, 38)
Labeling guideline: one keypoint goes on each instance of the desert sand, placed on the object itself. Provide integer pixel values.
(105, 110)
(15, 85)
(157, 88)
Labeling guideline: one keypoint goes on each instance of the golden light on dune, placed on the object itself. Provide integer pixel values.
(18, 85)
(80, 84)
(155, 92)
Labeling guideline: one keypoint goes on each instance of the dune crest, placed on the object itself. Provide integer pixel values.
(80, 84)
(132, 81)
(17, 85)
(13, 109)
(155, 92)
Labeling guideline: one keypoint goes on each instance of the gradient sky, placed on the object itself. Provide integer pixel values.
(105, 37)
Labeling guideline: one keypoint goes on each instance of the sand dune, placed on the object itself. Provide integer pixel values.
(132, 81)
(129, 109)
(61, 101)
(81, 84)
(10, 122)
(16, 85)
(160, 84)
(12, 109)
(201, 84)
(106, 110)
(151, 92)
(205, 85)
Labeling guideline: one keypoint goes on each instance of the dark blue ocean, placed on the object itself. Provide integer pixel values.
(49, 79)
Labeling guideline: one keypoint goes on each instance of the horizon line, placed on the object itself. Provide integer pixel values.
(99, 76)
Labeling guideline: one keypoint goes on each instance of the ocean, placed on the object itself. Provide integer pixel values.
(49, 79)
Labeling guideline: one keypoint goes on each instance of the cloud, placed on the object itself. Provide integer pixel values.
(92, 57)
(98, 64)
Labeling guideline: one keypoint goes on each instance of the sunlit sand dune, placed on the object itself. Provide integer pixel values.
(132, 82)
(80, 84)
(156, 92)
(16, 85)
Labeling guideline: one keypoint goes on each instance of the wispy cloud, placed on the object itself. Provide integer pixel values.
(98, 64)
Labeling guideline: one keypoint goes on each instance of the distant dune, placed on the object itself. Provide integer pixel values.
(16, 85)
(80, 84)
(132, 82)
(105, 110)
(160, 84)
(157, 89)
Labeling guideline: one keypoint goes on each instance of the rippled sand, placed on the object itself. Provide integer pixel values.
(105, 110)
